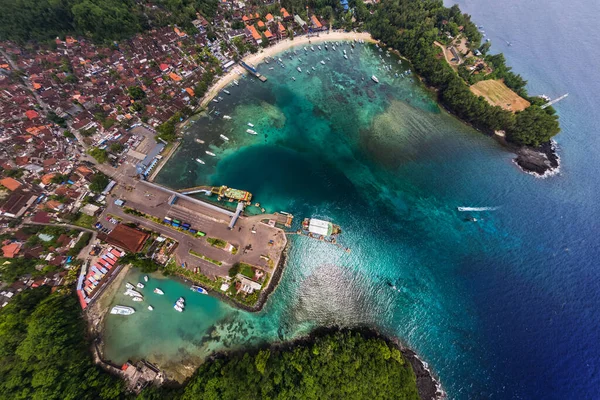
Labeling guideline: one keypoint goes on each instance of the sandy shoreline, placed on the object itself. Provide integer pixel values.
(271, 51)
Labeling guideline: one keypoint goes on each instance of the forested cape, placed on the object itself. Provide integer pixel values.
(44, 354)
(412, 26)
(100, 20)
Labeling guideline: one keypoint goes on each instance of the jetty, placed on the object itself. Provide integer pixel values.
(252, 70)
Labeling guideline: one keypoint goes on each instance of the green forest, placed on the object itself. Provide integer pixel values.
(45, 354)
(411, 26)
(100, 20)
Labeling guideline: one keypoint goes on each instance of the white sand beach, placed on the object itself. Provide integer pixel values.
(283, 45)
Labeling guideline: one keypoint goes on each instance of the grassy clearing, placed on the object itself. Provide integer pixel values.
(85, 221)
(203, 257)
(498, 94)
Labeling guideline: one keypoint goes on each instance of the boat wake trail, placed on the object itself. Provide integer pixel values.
(477, 208)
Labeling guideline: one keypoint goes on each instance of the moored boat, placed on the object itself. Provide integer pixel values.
(224, 137)
(250, 124)
(200, 161)
(129, 285)
(226, 117)
(299, 69)
(133, 293)
(236, 83)
(226, 91)
(140, 285)
(374, 78)
(198, 289)
(210, 153)
(122, 310)
(158, 291)
(178, 308)
(250, 131)
(322, 62)
(135, 298)
(145, 278)
(150, 308)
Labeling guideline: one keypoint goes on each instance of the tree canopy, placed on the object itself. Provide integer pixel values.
(43, 351)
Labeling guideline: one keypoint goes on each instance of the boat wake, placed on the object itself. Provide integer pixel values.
(477, 208)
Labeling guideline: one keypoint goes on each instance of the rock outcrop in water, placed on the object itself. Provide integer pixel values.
(540, 161)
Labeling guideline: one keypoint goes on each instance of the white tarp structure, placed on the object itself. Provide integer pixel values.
(320, 227)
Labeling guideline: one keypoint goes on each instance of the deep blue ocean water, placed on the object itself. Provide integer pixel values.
(504, 307)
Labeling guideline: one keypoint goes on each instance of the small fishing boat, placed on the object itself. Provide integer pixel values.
(333, 48)
(200, 161)
(198, 289)
(215, 101)
(122, 310)
(251, 125)
(145, 278)
(313, 68)
(250, 131)
(374, 78)
(158, 291)
(129, 285)
(272, 68)
(178, 308)
(293, 78)
(236, 83)
(345, 56)
(226, 117)
(312, 48)
(224, 137)
(136, 298)
(140, 285)
(210, 153)
(226, 91)
(319, 47)
(322, 62)
(299, 69)
(150, 308)
(199, 141)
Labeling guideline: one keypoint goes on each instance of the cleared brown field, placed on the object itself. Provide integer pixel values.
(498, 94)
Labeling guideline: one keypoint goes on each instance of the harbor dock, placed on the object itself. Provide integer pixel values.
(252, 70)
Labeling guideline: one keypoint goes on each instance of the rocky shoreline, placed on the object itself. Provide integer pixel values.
(542, 161)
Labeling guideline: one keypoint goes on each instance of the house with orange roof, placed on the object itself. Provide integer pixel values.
(269, 35)
(11, 250)
(47, 179)
(245, 19)
(175, 77)
(269, 17)
(251, 32)
(31, 114)
(10, 183)
(260, 24)
(190, 91)
(282, 29)
(180, 33)
(315, 22)
(286, 15)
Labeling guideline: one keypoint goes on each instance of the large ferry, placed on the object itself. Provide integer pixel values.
(122, 310)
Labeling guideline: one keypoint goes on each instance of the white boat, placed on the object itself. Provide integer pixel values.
(314, 69)
(236, 83)
(140, 285)
(374, 78)
(250, 131)
(200, 161)
(210, 153)
(226, 91)
(333, 48)
(272, 68)
(299, 69)
(305, 49)
(158, 291)
(224, 137)
(322, 62)
(133, 293)
(199, 141)
(145, 278)
(312, 48)
(293, 78)
(198, 289)
(122, 310)
(226, 117)
(176, 307)
(129, 285)
(135, 298)
(181, 299)
(266, 61)
(345, 56)
(150, 308)
(215, 100)
(326, 47)
(251, 125)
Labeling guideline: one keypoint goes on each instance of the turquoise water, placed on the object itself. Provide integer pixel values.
(473, 298)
